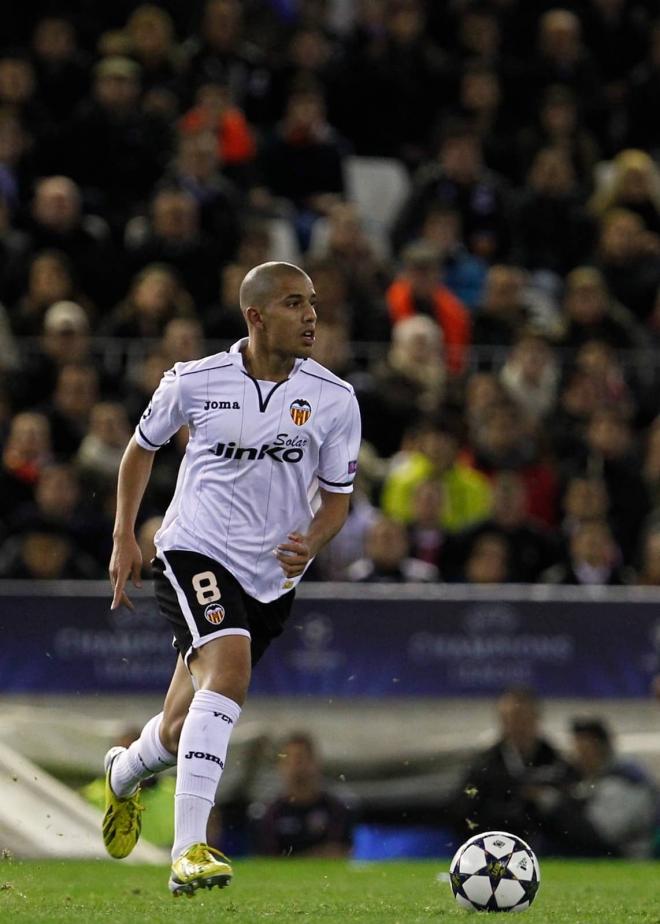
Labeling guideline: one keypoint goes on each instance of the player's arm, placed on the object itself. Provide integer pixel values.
(294, 554)
(126, 560)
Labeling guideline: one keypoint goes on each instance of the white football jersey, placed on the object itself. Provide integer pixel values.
(256, 455)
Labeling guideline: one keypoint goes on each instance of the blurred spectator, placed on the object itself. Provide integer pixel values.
(221, 53)
(584, 499)
(507, 306)
(590, 313)
(75, 394)
(50, 279)
(487, 561)
(409, 382)
(552, 229)
(114, 150)
(480, 102)
(57, 223)
(173, 235)
(152, 42)
(366, 318)
(197, 172)
(648, 574)
(482, 392)
(182, 341)
(503, 439)
(391, 82)
(16, 165)
(651, 464)
(333, 347)
(65, 338)
(346, 244)
(631, 182)
(307, 819)
(601, 363)
(308, 59)
(593, 558)
(462, 272)
(529, 549)
(18, 94)
(61, 67)
(578, 399)
(301, 160)
(562, 58)
(611, 808)
(644, 96)
(419, 289)
(387, 557)
(457, 177)
(43, 552)
(628, 256)
(215, 115)
(494, 793)
(427, 539)
(59, 502)
(466, 492)
(154, 298)
(530, 376)
(26, 450)
(610, 451)
(560, 128)
(100, 452)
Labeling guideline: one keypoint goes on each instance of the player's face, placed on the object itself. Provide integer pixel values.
(290, 316)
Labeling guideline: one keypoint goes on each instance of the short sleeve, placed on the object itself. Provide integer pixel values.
(163, 417)
(339, 452)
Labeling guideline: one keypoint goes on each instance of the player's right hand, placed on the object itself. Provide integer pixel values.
(125, 562)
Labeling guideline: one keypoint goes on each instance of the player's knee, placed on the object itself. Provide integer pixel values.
(232, 682)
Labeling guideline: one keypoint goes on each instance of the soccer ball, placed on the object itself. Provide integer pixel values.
(495, 871)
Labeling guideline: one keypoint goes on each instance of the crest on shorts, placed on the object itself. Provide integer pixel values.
(300, 411)
(214, 613)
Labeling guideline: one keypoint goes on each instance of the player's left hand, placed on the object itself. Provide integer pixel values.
(293, 555)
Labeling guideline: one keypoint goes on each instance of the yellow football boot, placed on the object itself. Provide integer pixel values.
(122, 821)
(199, 867)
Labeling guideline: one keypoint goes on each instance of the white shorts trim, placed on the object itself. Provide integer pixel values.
(183, 603)
(203, 639)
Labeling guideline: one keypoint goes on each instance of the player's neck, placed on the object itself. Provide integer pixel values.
(266, 366)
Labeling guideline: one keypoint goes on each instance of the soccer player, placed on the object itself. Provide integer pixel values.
(264, 484)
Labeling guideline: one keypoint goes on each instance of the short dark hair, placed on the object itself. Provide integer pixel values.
(300, 737)
(593, 727)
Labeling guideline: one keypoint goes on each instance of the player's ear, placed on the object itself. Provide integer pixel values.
(254, 317)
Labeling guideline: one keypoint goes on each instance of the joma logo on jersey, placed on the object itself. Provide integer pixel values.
(221, 406)
(274, 451)
(301, 411)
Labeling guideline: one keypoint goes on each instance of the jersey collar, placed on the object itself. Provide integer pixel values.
(239, 346)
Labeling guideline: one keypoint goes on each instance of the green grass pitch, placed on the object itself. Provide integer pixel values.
(288, 891)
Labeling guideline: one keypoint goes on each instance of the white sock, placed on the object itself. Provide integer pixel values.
(144, 757)
(202, 753)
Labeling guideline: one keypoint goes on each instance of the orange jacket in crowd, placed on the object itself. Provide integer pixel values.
(450, 313)
(236, 142)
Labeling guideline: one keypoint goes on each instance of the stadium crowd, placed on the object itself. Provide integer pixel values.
(500, 331)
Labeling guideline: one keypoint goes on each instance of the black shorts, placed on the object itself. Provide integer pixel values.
(201, 600)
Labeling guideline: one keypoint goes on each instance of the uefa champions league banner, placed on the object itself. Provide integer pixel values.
(348, 640)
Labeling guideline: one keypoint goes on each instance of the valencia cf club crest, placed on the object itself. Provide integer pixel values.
(214, 613)
(300, 411)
